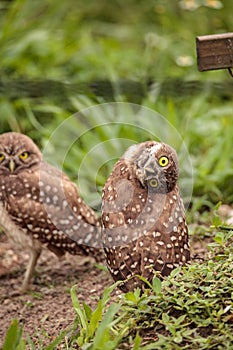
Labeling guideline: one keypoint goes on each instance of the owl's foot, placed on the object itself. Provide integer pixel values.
(34, 256)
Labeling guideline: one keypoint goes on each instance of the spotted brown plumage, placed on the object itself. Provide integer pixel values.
(143, 218)
(40, 206)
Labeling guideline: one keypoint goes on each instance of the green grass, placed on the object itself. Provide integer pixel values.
(51, 53)
(82, 40)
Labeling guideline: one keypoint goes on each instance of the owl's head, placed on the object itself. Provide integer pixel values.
(17, 152)
(156, 165)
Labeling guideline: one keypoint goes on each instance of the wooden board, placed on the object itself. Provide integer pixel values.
(214, 51)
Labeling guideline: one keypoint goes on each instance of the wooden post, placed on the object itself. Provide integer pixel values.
(215, 52)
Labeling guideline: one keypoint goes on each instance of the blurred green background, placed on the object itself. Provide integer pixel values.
(58, 58)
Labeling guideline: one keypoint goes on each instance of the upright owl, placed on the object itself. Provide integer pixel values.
(39, 205)
(144, 229)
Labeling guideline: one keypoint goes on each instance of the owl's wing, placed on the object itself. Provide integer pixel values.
(120, 208)
(47, 205)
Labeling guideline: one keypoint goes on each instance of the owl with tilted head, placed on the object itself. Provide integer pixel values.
(40, 206)
(144, 231)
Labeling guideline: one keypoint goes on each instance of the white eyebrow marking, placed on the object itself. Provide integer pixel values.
(155, 148)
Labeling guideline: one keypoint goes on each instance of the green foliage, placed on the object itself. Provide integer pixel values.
(14, 339)
(48, 46)
(114, 39)
(191, 310)
(96, 326)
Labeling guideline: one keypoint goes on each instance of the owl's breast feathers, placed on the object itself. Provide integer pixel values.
(143, 232)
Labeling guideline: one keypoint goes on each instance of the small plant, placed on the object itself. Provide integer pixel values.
(96, 328)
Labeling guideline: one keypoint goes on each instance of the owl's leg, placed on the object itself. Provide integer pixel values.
(34, 256)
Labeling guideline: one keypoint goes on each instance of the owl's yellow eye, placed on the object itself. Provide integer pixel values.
(24, 155)
(163, 161)
(2, 157)
(153, 183)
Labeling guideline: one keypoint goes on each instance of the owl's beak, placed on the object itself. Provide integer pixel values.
(12, 166)
(150, 172)
(150, 168)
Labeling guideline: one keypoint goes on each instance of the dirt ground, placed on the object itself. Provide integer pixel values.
(47, 308)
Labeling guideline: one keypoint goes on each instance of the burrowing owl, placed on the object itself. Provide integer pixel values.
(143, 219)
(39, 205)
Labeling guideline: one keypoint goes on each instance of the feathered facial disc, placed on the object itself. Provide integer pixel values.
(157, 167)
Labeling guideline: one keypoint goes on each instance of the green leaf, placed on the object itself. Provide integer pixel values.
(78, 309)
(96, 318)
(88, 311)
(134, 296)
(216, 221)
(108, 291)
(13, 336)
(178, 338)
(157, 285)
(130, 296)
(137, 342)
(103, 331)
(149, 285)
(81, 316)
(165, 318)
(219, 238)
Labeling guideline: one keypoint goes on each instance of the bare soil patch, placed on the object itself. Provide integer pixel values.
(47, 308)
